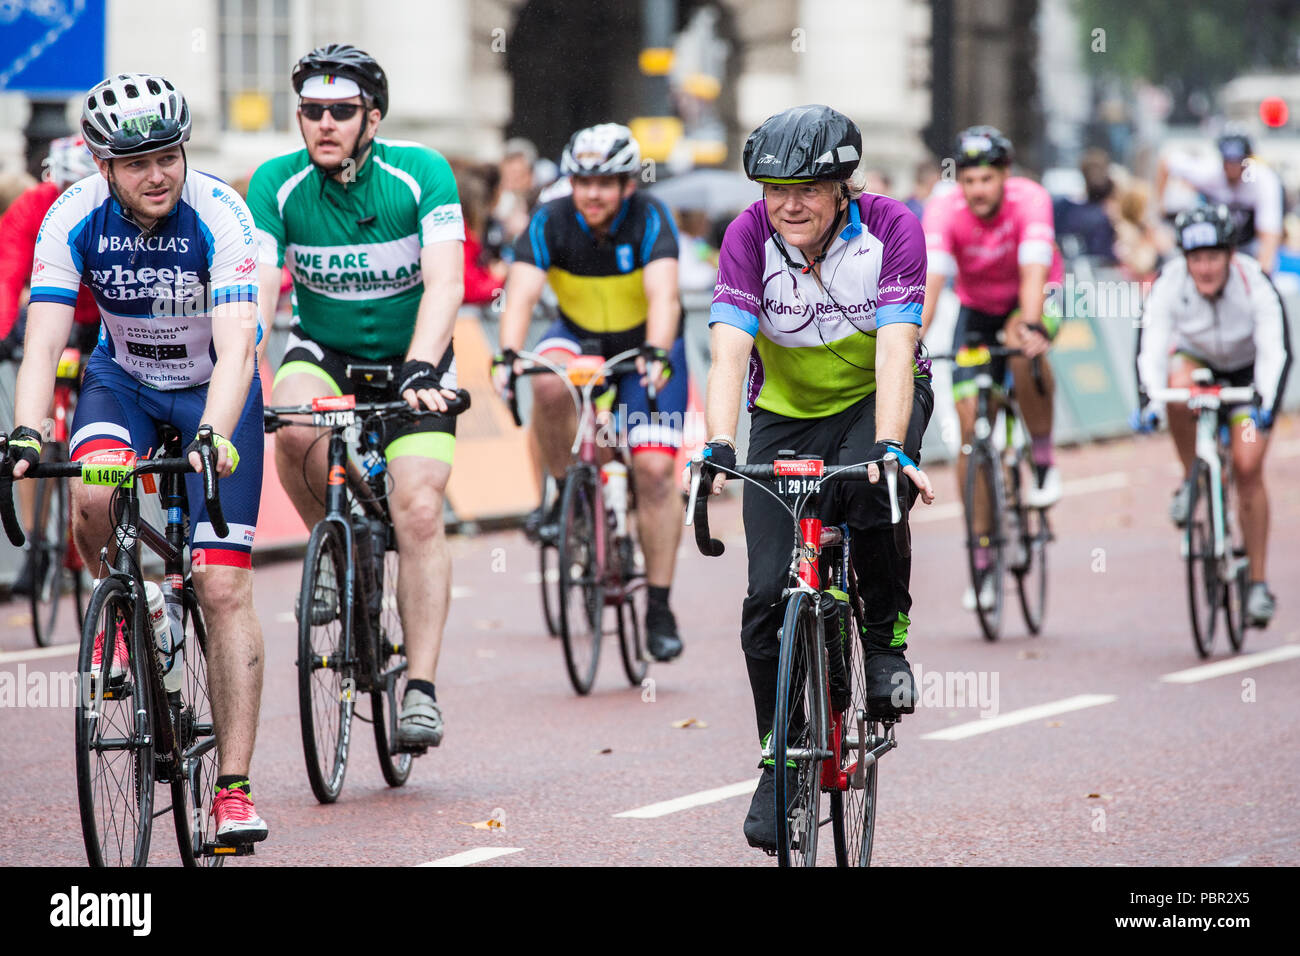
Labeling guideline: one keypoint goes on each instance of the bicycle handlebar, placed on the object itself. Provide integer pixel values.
(994, 351)
(621, 364)
(697, 509)
(273, 418)
(1206, 396)
(73, 469)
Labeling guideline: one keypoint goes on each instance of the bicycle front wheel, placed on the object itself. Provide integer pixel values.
(396, 767)
(48, 555)
(326, 675)
(984, 493)
(582, 592)
(114, 734)
(853, 810)
(548, 559)
(1031, 582)
(1204, 589)
(192, 787)
(799, 734)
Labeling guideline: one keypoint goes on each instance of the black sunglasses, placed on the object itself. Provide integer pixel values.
(342, 112)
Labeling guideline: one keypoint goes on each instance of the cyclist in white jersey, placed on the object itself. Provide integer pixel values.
(1216, 308)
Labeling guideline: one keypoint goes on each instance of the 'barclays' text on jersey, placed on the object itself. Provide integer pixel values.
(144, 243)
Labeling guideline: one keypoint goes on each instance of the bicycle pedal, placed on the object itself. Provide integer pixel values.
(415, 750)
(222, 849)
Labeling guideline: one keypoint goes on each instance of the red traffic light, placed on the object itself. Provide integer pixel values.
(1273, 111)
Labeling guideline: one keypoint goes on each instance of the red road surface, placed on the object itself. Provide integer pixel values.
(1166, 773)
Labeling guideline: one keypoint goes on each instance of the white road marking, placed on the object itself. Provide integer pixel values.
(1022, 716)
(1243, 663)
(470, 857)
(35, 654)
(460, 591)
(691, 800)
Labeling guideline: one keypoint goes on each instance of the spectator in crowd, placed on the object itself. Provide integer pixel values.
(13, 185)
(485, 273)
(517, 190)
(926, 176)
(1137, 246)
(1085, 229)
(697, 259)
(878, 181)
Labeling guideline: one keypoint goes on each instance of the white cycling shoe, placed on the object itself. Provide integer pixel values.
(1045, 493)
(988, 595)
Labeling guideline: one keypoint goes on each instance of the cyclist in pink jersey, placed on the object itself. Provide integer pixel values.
(996, 235)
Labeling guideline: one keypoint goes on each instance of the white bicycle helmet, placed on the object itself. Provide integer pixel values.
(605, 150)
(69, 161)
(134, 113)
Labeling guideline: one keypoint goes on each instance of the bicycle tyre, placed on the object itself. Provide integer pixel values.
(582, 597)
(548, 567)
(48, 554)
(853, 810)
(1032, 581)
(799, 723)
(325, 703)
(115, 828)
(192, 786)
(1237, 584)
(983, 461)
(396, 768)
(1204, 591)
(631, 631)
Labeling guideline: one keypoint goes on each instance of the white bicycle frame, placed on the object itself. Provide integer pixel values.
(1206, 401)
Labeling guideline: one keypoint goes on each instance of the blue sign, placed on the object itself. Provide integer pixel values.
(51, 47)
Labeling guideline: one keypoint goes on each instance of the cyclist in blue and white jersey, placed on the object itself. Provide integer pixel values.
(170, 256)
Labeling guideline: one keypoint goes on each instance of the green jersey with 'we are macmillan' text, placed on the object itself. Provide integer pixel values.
(353, 248)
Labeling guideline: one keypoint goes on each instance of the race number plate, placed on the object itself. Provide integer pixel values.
(973, 357)
(107, 467)
(334, 410)
(800, 476)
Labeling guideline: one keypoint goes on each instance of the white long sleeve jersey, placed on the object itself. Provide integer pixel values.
(1244, 325)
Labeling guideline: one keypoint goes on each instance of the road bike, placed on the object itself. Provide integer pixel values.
(1218, 571)
(598, 560)
(350, 638)
(1013, 535)
(823, 734)
(154, 724)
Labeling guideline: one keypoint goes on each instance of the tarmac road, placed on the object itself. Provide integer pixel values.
(1141, 771)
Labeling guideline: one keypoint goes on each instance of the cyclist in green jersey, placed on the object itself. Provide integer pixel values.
(371, 230)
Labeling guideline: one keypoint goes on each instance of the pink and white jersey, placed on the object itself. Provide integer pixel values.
(986, 254)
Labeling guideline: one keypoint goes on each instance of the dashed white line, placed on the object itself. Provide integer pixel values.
(470, 857)
(1023, 716)
(691, 800)
(1243, 663)
(58, 650)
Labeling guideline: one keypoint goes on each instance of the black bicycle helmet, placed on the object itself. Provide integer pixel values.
(1205, 227)
(1234, 147)
(983, 146)
(343, 59)
(802, 144)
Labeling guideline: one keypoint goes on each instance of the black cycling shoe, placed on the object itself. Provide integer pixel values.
(890, 686)
(542, 526)
(661, 633)
(760, 822)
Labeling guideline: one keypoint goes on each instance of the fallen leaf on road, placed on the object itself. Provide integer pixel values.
(484, 825)
(1054, 723)
(1028, 655)
(607, 750)
(20, 620)
(483, 624)
(689, 722)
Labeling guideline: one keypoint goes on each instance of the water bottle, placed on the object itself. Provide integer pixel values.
(173, 667)
(614, 477)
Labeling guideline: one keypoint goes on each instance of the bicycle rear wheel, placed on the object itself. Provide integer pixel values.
(49, 554)
(1032, 581)
(192, 788)
(582, 593)
(114, 733)
(326, 675)
(799, 734)
(853, 810)
(984, 489)
(1204, 589)
(396, 767)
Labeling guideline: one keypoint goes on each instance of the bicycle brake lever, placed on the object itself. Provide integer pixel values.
(891, 483)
